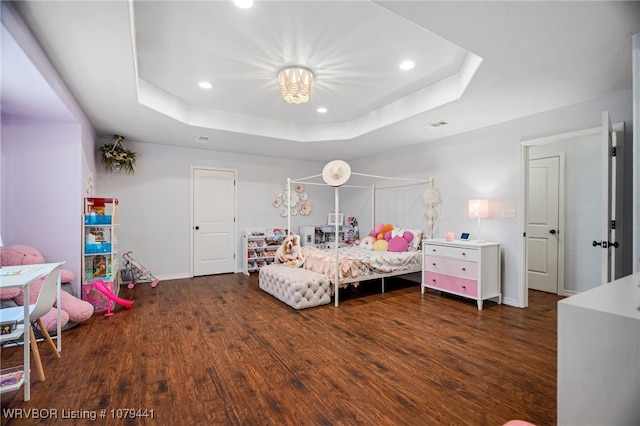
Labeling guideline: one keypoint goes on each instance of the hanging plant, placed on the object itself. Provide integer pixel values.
(116, 157)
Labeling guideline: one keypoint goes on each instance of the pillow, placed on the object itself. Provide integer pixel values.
(416, 243)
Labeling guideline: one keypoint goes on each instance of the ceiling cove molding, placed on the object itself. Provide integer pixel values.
(439, 93)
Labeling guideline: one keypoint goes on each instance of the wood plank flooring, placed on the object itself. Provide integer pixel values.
(219, 351)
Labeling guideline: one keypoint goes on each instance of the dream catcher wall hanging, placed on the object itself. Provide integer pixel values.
(432, 199)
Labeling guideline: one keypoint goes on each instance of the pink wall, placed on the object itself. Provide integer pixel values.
(41, 188)
(44, 161)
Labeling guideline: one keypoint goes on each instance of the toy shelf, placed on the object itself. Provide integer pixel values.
(259, 247)
(100, 250)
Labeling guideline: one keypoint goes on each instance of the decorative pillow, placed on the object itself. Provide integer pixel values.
(416, 243)
(381, 245)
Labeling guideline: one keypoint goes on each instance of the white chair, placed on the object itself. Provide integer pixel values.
(46, 299)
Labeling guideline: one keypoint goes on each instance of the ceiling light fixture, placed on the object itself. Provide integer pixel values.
(407, 65)
(205, 85)
(243, 4)
(295, 84)
(322, 110)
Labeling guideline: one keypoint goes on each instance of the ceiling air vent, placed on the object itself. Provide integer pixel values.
(438, 124)
(203, 138)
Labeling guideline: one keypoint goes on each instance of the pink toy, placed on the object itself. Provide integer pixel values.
(399, 240)
(102, 288)
(135, 272)
(71, 309)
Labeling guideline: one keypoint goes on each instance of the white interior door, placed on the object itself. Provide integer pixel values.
(592, 195)
(542, 233)
(214, 227)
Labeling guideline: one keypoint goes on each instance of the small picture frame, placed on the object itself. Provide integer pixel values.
(464, 236)
(336, 221)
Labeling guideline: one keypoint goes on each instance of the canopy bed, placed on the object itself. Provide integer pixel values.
(344, 266)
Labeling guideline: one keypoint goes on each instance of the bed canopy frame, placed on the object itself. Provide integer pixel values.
(335, 174)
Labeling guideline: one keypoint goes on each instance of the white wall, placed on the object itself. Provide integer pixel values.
(485, 164)
(154, 202)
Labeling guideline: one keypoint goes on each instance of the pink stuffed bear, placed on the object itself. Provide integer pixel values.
(71, 309)
(398, 240)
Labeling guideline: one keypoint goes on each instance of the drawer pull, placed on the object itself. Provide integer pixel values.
(434, 250)
(464, 254)
(433, 264)
(433, 279)
(464, 269)
(464, 286)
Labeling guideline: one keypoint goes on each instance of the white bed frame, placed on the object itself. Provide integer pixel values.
(404, 182)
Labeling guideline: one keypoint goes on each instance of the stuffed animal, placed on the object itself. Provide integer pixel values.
(380, 230)
(398, 240)
(367, 243)
(385, 228)
(376, 230)
(71, 309)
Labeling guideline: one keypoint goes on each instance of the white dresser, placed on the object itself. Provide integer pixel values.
(466, 268)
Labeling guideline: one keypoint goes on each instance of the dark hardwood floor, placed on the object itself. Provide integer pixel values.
(219, 351)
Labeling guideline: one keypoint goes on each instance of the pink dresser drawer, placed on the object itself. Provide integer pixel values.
(457, 285)
(458, 268)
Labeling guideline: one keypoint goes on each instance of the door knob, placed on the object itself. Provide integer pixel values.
(614, 244)
(197, 227)
(552, 232)
(596, 243)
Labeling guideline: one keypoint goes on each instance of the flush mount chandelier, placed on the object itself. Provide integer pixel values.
(295, 84)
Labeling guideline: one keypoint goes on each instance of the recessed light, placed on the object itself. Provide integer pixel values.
(205, 85)
(322, 110)
(407, 65)
(243, 4)
(203, 139)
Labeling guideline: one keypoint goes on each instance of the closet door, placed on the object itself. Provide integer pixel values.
(213, 221)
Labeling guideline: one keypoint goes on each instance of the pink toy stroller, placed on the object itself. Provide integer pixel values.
(134, 272)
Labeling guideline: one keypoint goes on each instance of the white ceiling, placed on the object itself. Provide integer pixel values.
(134, 68)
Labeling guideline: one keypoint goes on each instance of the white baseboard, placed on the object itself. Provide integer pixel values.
(172, 277)
(511, 302)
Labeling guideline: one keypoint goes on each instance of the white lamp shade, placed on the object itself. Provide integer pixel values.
(479, 209)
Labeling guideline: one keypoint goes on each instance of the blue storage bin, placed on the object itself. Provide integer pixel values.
(97, 248)
(97, 219)
(104, 220)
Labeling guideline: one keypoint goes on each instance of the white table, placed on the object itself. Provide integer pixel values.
(27, 275)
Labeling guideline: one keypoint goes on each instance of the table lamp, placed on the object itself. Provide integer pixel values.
(479, 209)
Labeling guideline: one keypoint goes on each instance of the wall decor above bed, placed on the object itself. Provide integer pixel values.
(298, 201)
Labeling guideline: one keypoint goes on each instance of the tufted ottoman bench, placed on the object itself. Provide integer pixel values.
(297, 287)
